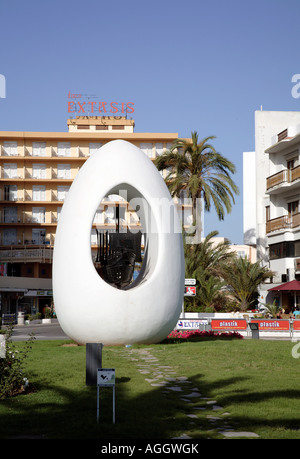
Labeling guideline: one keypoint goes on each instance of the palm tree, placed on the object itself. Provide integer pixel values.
(208, 256)
(243, 279)
(272, 309)
(194, 167)
(211, 293)
(203, 262)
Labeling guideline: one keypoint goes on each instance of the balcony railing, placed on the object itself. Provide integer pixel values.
(284, 222)
(277, 179)
(295, 220)
(295, 173)
(21, 218)
(282, 135)
(284, 176)
(21, 254)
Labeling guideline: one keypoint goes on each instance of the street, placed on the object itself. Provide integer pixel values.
(39, 331)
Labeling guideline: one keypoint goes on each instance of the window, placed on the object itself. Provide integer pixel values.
(9, 236)
(159, 149)
(38, 214)
(10, 192)
(38, 236)
(64, 171)
(62, 192)
(39, 171)
(58, 212)
(10, 148)
(290, 167)
(10, 214)
(94, 148)
(297, 248)
(38, 193)
(10, 170)
(109, 215)
(187, 217)
(98, 216)
(293, 208)
(93, 237)
(147, 149)
(39, 149)
(63, 149)
(282, 250)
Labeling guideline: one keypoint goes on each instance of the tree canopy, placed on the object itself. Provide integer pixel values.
(197, 169)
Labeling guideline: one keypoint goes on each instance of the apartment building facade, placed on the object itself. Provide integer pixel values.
(271, 203)
(37, 170)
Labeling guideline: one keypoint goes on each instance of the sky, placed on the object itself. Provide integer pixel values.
(191, 65)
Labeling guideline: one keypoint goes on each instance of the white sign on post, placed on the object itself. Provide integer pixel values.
(190, 282)
(106, 377)
(2, 347)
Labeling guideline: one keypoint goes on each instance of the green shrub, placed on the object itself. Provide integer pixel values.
(35, 316)
(12, 378)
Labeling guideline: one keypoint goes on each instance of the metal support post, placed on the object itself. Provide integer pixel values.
(93, 362)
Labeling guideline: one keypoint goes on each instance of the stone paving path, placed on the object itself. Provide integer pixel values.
(165, 377)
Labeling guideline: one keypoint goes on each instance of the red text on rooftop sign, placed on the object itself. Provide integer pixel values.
(92, 106)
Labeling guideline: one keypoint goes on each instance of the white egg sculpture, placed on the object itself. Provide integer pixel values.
(89, 309)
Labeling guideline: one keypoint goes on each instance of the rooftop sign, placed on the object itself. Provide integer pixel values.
(81, 104)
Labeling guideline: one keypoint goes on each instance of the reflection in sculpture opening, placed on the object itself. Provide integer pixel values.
(120, 245)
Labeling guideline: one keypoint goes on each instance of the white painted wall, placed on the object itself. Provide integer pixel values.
(249, 197)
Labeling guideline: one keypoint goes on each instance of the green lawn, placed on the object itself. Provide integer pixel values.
(255, 381)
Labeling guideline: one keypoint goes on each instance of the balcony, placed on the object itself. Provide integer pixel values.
(282, 135)
(14, 254)
(285, 177)
(277, 179)
(24, 218)
(285, 222)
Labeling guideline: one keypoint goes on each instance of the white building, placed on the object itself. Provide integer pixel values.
(241, 250)
(271, 200)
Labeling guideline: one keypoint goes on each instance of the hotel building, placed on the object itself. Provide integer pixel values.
(37, 170)
(271, 202)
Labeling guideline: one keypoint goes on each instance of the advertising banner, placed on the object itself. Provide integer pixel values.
(190, 324)
(296, 325)
(272, 324)
(228, 324)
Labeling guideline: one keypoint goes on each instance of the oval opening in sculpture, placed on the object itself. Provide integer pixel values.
(120, 225)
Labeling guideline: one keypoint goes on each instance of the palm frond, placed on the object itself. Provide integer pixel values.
(198, 169)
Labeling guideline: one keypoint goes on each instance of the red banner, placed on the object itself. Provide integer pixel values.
(228, 324)
(272, 324)
(296, 324)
